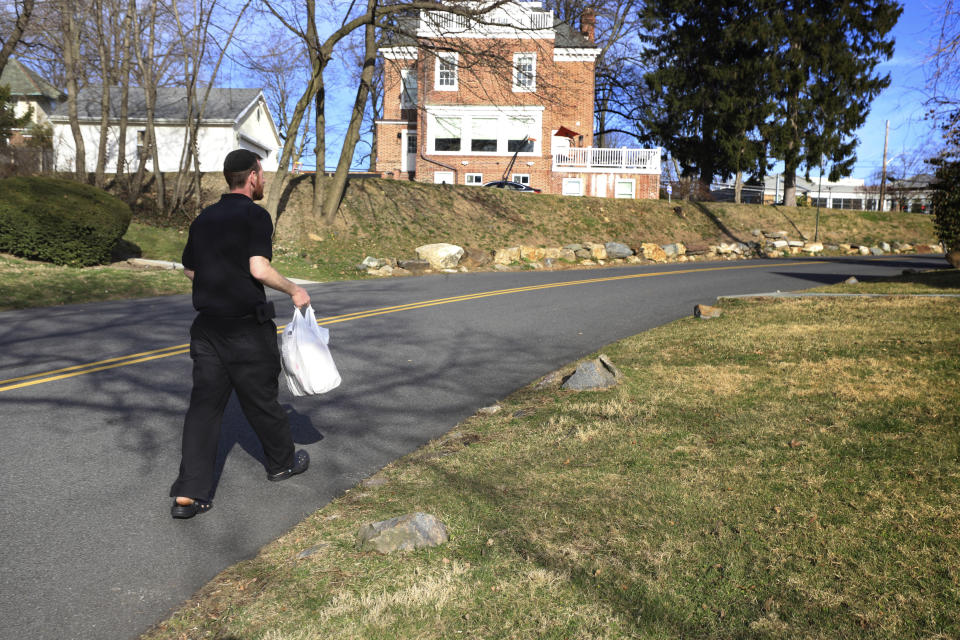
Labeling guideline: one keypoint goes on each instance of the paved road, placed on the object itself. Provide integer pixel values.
(87, 547)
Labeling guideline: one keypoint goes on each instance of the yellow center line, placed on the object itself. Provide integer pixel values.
(180, 349)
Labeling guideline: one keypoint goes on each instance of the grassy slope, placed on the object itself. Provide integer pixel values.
(785, 471)
(390, 218)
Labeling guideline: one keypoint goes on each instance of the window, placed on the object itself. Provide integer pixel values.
(411, 143)
(521, 178)
(573, 186)
(520, 135)
(443, 177)
(446, 72)
(524, 72)
(483, 134)
(818, 202)
(408, 94)
(448, 134)
(624, 189)
(847, 203)
(475, 179)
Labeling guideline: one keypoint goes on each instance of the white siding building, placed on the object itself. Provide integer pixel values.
(233, 119)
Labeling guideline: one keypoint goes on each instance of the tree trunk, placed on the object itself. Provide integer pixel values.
(790, 187)
(18, 28)
(320, 151)
(150, 97)
(71, 55)
(738, 187)
(99, 178)
(335, 193)
(126, 28)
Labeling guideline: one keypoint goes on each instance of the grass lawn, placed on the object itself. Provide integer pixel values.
(28, 283)
(945, 281)
(789, 470)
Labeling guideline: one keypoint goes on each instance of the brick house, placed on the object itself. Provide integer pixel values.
(465, 102)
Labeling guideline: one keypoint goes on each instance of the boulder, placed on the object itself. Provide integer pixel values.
(696, 249)
(886, 247)
(864, 251)
(552, 253)
(670, 250)
(906, 246)
(775, 235)
(813, 247)
(403, 533)
(573, 247)
(597, 251)
(599, 373)
(474, 258)
(756, 233)
(507, 256)
(567, 255)
(399, 271)
(795, 243)
(653, 252)
(588, 263)
(780, 244)
(634, 259)
(415, 266)
(440, 255)
(549, 263)
(372, 263)
(925, 248)
(583, 254)
(385, 270)
(851, 280)
(877, 251)
(533, 254)
(617, 250)
(706, 311)
(844, 247)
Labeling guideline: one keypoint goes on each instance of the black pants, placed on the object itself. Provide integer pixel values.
(231, 355)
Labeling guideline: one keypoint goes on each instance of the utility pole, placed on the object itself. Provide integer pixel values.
(883, 171)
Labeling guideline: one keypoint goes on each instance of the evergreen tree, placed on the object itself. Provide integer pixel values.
(9, 121)
(826, 55)
(709, 84)
(946, 194)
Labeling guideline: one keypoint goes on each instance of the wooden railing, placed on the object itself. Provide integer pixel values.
(599, 159)
(444, 23)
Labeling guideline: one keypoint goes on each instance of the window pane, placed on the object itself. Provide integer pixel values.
(447, 136)
(447, 72)
(483, 134)
(523, 75)
(411, 143)
(517, 129)
(408, 99)
(521, 178)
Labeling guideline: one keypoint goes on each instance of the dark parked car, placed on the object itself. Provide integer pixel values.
(512, 186)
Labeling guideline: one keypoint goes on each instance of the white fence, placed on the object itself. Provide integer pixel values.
(608, 160)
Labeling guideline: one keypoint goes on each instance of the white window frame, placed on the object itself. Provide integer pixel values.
(633, 188)
(569, 182)
(408, 101)
(521, 178)
(477, 183)
(443, 177)
(448, 56)
(517, 87)
(467, 113)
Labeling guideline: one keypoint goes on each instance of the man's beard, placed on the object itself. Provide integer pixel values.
(257, 191)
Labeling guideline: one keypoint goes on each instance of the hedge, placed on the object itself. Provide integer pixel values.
(59, 221)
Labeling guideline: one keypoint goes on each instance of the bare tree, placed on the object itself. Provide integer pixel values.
(70, 26)
(23, 12)
(943, 64)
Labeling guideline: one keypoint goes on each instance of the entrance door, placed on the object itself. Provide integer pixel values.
(408, 155)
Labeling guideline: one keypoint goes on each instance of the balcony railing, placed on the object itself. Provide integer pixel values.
(497, 21)
(608, 160)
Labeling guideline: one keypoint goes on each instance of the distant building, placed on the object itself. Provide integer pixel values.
(909, 194)
(451, 117)
(29, 91)
(232, 119)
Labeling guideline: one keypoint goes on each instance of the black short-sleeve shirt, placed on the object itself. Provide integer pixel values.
(222, 240)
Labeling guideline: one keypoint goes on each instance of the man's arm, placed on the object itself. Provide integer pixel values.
(262, 270)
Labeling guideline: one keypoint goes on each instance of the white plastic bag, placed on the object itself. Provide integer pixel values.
(308, 366)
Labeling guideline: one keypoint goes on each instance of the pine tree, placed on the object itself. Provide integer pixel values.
(9, 121)
(946, 194)
(709, 84)
(826, 56)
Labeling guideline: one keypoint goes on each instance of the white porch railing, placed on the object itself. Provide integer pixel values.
(608, 160)
(498, 21)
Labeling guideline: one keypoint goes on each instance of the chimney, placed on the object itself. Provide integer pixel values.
(588, 21)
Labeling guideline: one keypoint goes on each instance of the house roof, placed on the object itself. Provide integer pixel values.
(23, 81)
(569, 38)
(223, 105)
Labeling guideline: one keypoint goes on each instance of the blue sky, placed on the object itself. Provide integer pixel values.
(903, 101)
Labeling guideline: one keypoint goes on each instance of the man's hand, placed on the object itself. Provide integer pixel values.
(300, 298)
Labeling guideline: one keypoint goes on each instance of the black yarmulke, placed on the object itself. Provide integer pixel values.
(240, 160)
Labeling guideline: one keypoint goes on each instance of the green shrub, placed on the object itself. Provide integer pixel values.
(60, 221)
(946, 186)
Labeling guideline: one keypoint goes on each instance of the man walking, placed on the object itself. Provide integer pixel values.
(233, 340)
